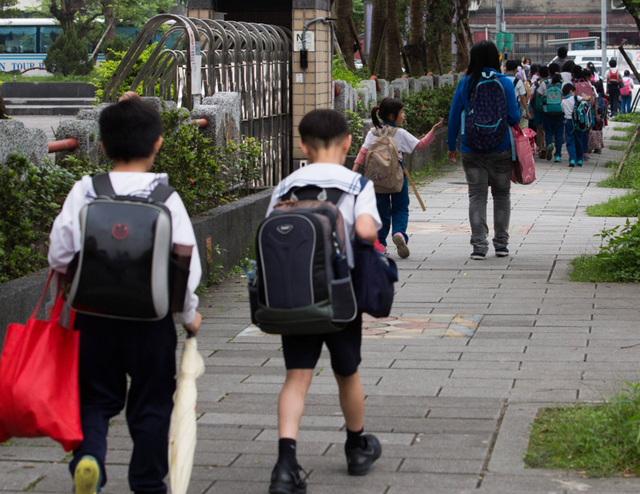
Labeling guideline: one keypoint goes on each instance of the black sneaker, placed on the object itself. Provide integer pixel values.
(359, 460)
(287, 480)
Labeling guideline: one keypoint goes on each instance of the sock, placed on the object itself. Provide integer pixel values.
(356, 439)
(287, 452)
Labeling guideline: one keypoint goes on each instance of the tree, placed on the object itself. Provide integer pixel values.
(438, 34)
(344, 11)
(7, 8)
(392, 47)
(416, 49)
(463, 35)
(68, 55)
(378, 21)
(633, 7)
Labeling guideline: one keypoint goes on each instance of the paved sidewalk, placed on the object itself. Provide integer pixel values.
(452, 380)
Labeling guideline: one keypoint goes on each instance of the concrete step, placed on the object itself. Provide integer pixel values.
(49, 101)
(13, 110)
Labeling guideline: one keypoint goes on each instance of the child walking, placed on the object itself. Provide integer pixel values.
(113, 350)
(325, 142)
(394, 208)
(574, 137)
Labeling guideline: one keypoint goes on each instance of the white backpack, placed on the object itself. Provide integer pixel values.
(381, 165)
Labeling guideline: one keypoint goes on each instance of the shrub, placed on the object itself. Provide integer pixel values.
(68, 55)
(340, 72)
(356, 128)
(118, 45)
(621, 256)
(423, 109)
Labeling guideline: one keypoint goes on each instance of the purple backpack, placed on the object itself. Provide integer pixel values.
(485, 120)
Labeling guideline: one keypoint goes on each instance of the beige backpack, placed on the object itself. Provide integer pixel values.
(381, 165)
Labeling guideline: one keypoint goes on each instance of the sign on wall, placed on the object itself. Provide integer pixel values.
(310, 41)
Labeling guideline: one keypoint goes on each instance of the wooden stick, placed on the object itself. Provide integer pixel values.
(632, 66)
(357, 39)
(382, 39)
(628, 151)
(415, 190)
(404, 54)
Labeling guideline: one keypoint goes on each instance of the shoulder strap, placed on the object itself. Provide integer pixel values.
(314, 193)
(392, 131)
(102, 185)
(161, 193)
(375, 131)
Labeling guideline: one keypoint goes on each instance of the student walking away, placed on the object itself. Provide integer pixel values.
(136, 338)
(595, 77)
(382, 154)
(577, 115)
(584, 87)
(536, 105)
(484, 106)
(325, 142)
(566, 71)
(553, 116)
(613, 79)
(521, 92)
(626, 92)
(562, 55)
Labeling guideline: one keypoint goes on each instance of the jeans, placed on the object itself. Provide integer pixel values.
(626, 104)
(575, 141)
(585, 142)
(394, 209)
(111, 350)
(484, 171)
(614, 99)
(553, 126)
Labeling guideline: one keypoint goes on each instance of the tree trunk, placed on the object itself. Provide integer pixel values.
(378, 20)
(446, 47)
(343, 30)
(109, 20)
(67, 11)
(392, 47)
(416, 47)
(463, 35)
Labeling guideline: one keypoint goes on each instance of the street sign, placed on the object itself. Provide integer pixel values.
(310, 41)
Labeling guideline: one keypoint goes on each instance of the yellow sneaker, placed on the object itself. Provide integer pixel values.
(86, 478)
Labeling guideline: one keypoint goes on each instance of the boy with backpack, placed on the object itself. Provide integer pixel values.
(325, 142)
(577, 115)
(613, 80)
(536, 104)
(553, 119)
(141, 346)
(521, 92)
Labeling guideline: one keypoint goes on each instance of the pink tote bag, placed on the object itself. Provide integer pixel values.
(524, 166)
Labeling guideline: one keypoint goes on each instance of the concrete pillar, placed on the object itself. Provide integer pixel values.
(222, 110)
(311, 86)
(15, 138)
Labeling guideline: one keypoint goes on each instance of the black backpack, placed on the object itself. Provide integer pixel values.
(123, 268)
(302, 282)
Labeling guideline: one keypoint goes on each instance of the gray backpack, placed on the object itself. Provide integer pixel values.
(123, 268)
(381, 164)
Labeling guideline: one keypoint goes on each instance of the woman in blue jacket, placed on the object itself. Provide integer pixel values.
(489, 168)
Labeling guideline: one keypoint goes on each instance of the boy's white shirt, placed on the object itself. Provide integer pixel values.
(65, 237)
(330, 175)
(568, 104)
(406, 141)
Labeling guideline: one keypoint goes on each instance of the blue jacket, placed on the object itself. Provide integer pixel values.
(461, 103)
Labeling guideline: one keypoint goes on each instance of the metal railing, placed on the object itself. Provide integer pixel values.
(196, 58)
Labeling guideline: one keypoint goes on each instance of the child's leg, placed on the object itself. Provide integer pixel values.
(351, 401)
(585, 142)
(383, 202)
(548, 130)
(540, 137)
(559, 134)
(571, 140)
(400, 210)
(579, 140)
(291, 402)
(103, 388)
(151, 362)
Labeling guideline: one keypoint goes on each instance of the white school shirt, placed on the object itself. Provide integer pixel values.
(519, 86)
(65, 237)
(568, 104)
(330, 175)
(406, 142)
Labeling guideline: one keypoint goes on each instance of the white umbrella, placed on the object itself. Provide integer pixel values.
(182, 432)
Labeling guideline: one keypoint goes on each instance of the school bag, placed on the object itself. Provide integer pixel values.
(553, 99)
(584, 88)
(537, 100)
(123, 268)
(625, 90)
(581, 116)
(302, 283)
(613, 80)
(381, 164)
(485, 120)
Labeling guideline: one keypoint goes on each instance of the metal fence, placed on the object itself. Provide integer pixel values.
(196, 58)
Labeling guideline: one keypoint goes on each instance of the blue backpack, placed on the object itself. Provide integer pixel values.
(581, 116)
(485, 120)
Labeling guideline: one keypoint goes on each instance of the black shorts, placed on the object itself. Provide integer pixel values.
(303, 352)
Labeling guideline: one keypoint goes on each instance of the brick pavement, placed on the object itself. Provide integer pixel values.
(453, 379)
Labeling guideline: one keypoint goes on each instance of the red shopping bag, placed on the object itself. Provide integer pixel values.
(524, 165)
(39, 393)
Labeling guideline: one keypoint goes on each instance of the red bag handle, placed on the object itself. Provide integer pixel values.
(46, 286)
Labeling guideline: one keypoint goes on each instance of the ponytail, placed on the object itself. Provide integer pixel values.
(388, 107)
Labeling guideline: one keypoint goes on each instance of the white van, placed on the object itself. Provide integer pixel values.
(583, 57)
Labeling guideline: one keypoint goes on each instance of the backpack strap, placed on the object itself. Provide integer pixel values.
(102, 185)
(392, 131)
(375, 131)
(314, 193)
(161, 193)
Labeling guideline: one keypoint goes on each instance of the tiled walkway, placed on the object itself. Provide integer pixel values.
(452, 380)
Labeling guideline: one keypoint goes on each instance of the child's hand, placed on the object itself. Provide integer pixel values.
(194, 326)
(438, 125)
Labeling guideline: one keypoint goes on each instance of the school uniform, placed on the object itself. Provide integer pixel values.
(626, 100)
(303, 352)
(612, 78)
(574, 137)
(112, 350)
(553, 125)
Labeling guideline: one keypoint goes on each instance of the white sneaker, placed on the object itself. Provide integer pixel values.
(401, 244)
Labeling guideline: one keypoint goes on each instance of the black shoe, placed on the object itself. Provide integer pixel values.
(287, 480)
(359, 460)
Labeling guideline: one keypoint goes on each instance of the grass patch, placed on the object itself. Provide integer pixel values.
(626, 137)
(4, 77)
(598, 440)
(627, 118)
(612, 164)
(588, 268)
(618, 147)
(430, 172)
(626, 205)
